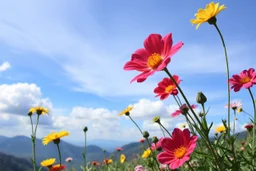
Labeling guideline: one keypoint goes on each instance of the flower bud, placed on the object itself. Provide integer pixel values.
(212, 20)
(85, 129)
(201, 98)
(145, 134)
(154, 139)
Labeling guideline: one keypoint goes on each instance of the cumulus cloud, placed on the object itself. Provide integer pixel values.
(5, 66)
(20, 97)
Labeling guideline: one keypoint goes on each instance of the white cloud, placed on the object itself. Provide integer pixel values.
(5, 66)
(20, 97)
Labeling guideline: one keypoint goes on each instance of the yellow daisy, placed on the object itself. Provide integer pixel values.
(126, 111)
(146, 153)
(204, 15)
(48, 162)
(54, 137)
(38, 110)
(108, 161)
(239, 110)
(220, 129)
(122, 158)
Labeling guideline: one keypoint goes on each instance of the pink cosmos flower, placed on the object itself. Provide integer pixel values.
(155, 56)
(167, 87)
(69, 159)
(140, 168)
(246, 79)
(235, 105)
(177, 149)
(183, 110)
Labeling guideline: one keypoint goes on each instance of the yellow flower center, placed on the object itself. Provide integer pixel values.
(154, 60)
(180, 152)
(245, 80)
(169, 88)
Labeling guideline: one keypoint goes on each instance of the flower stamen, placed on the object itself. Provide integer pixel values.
(154, 60)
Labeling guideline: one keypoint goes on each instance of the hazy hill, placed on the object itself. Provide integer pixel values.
(21, 146)
(11, 163)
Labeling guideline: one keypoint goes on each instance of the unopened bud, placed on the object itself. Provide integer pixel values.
(145, 134)
(154, 139)
(85, 129)
(201, 98)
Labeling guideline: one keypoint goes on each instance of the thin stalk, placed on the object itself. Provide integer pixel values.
(33, 144)
(254, 124)
(59, 153)
(165, 129)
(179, 99)
(136, 125)
(234, 124)
(162, 130)
(37, 121)
(227, 70)
(84, 149)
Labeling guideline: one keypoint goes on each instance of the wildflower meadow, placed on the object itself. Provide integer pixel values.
(192, 147)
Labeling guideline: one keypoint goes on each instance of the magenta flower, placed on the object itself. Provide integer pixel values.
(177, 149)
(246, 79)
(167, 87)
(183, 110)
(155, 56)
(235, 105)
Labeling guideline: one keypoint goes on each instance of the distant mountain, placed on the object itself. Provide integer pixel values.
(2, 138)
(109, 145)
(21, 146)
(11, 163)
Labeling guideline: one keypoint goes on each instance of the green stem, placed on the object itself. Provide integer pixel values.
(164, 129)
(234, 124)
(179, 99)
(227, 70)
(59, 153)
(136, 125)
(37, 121)
(33, 144)
(254, 124)
(84, 149)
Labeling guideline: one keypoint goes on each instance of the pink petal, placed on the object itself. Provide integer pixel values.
(141, 76)
(140, 55)
(164, 96)
(167, 44)
(164, 64)
(175, 49)
(179, 162)
(159, 90)
(154, 44)
(176, 113)
(135, 66)
(164, 157)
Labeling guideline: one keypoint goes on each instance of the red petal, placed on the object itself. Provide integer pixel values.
(154, 43)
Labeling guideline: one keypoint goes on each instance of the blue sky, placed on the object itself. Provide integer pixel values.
(69, 56)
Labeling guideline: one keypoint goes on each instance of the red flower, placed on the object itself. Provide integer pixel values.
(142, 140)
(246, 79)
(58, 168)
(95, 163)
(183, 110)
(167, 87)
(249, 127)
(177, 149)
(155, 56)
(119, 149)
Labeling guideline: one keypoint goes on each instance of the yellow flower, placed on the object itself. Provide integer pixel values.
(54, 137)
(239, 110)
(122, 158)
(156, 119)
(108, 161)
(48, 162)
(204, 15)
(38, 110)
(146, 153)
(220, 129)
(126, 111)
